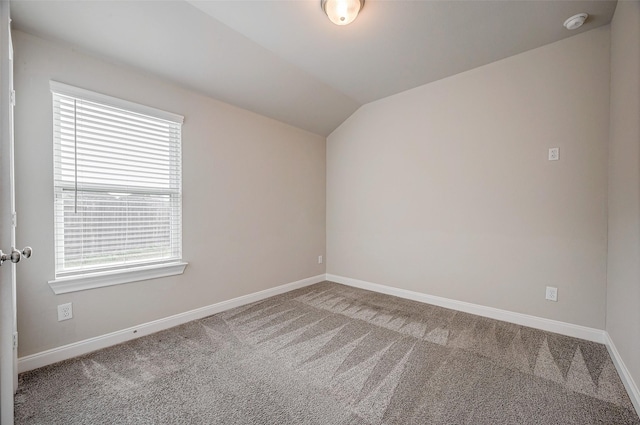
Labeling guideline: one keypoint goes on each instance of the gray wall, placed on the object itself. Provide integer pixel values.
(446, 189)
(623, 272)
(253, 207)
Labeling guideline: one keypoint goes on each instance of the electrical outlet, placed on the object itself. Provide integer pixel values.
(554, 154)
(319, 259)
(552, 293)
(65, 312)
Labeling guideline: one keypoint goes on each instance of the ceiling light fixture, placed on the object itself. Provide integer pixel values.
(575, 21)
(342, 12)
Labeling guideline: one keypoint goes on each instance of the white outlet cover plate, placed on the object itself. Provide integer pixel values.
(554, 154)
(551, 293)
(65, 312)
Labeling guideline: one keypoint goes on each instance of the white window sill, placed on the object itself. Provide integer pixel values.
(98, 280)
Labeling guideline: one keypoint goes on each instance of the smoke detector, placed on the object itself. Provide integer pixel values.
(575, 21)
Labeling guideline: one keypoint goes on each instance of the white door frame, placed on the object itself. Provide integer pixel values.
(8, 328)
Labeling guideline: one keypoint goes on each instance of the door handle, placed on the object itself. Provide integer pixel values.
(15, 255)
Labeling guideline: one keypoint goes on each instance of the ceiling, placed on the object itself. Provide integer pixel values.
(284, 59)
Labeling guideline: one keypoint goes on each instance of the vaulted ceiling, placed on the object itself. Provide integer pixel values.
(284, 59)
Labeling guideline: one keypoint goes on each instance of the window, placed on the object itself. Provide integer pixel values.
(118, 190)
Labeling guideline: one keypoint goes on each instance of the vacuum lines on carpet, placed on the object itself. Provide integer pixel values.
(331, 354)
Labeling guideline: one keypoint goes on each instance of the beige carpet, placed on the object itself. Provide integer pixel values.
(331, 354)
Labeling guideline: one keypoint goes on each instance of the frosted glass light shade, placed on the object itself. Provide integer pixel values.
(342, 12)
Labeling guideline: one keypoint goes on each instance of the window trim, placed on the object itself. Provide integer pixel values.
(97, 279)
(63, 285)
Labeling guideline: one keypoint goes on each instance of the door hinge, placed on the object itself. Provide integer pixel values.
(13, 98)
(14, 219)
(15, 340)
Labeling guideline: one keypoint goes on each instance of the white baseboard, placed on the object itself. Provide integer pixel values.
(625, 376)
(576, 331)
(79, 348)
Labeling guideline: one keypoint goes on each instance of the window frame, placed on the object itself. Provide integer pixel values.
(71, 281)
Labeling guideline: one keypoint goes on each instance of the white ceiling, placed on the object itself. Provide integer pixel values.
(286, 60)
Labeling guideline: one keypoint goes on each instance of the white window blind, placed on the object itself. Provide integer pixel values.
(117, 183)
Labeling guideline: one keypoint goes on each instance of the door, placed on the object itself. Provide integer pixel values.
(8, 369)
(8, 258)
